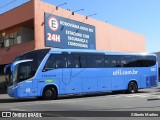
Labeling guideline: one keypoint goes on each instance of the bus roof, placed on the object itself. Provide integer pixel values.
(56, 50)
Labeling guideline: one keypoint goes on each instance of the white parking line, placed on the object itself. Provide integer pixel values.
(74, 101)
(138, 95)
(17, 110)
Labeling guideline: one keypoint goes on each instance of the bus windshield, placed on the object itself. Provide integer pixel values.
(22, 71)
(25, 66)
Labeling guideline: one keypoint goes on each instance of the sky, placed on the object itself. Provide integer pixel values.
(140, 16)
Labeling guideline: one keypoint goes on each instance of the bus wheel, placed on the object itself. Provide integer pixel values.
(49, 93)
(132, 87)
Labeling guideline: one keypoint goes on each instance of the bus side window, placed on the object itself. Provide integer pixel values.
(59, 63)
(73, 61)
(115, 62)
(83, 62)
(55, 61)
(49, 64)
(145, 61)
(95, 61)
(99, 61)
(106, 63)
(123, 62)
(126, 61)
(138, 61)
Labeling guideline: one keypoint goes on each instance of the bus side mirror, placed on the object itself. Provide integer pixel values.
(7, 81)
(6, 68)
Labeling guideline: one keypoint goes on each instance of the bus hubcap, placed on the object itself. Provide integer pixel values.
(132, 88)
(48, 93)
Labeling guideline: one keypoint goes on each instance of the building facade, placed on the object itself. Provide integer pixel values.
(37, 25)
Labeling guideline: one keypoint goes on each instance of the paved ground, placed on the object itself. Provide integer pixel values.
(145, 100)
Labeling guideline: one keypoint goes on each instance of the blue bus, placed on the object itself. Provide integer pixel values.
(49, 73)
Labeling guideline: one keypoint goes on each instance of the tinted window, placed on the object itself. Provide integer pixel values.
(55, 61)
(37, 56)
(73, 61)
(145, 61)
(62, 61)
(97, 61)
(94, 61)
(112, 61)
(127, 61)
(37, 59)
(30, 55)
(25, 71)
(83, 61)
(139, 61)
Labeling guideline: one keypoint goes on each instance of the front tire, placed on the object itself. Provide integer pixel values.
(132, 87)
(49, 93)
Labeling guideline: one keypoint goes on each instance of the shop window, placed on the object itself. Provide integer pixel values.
(16, 36)
(18, 40)
(6, 43)
(1, 41)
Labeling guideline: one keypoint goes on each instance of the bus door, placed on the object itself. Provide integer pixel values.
(72, 82)
(66, 78)
(53, 73)
(71, 79)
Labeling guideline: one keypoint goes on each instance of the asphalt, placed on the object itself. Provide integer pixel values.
(75, 106)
